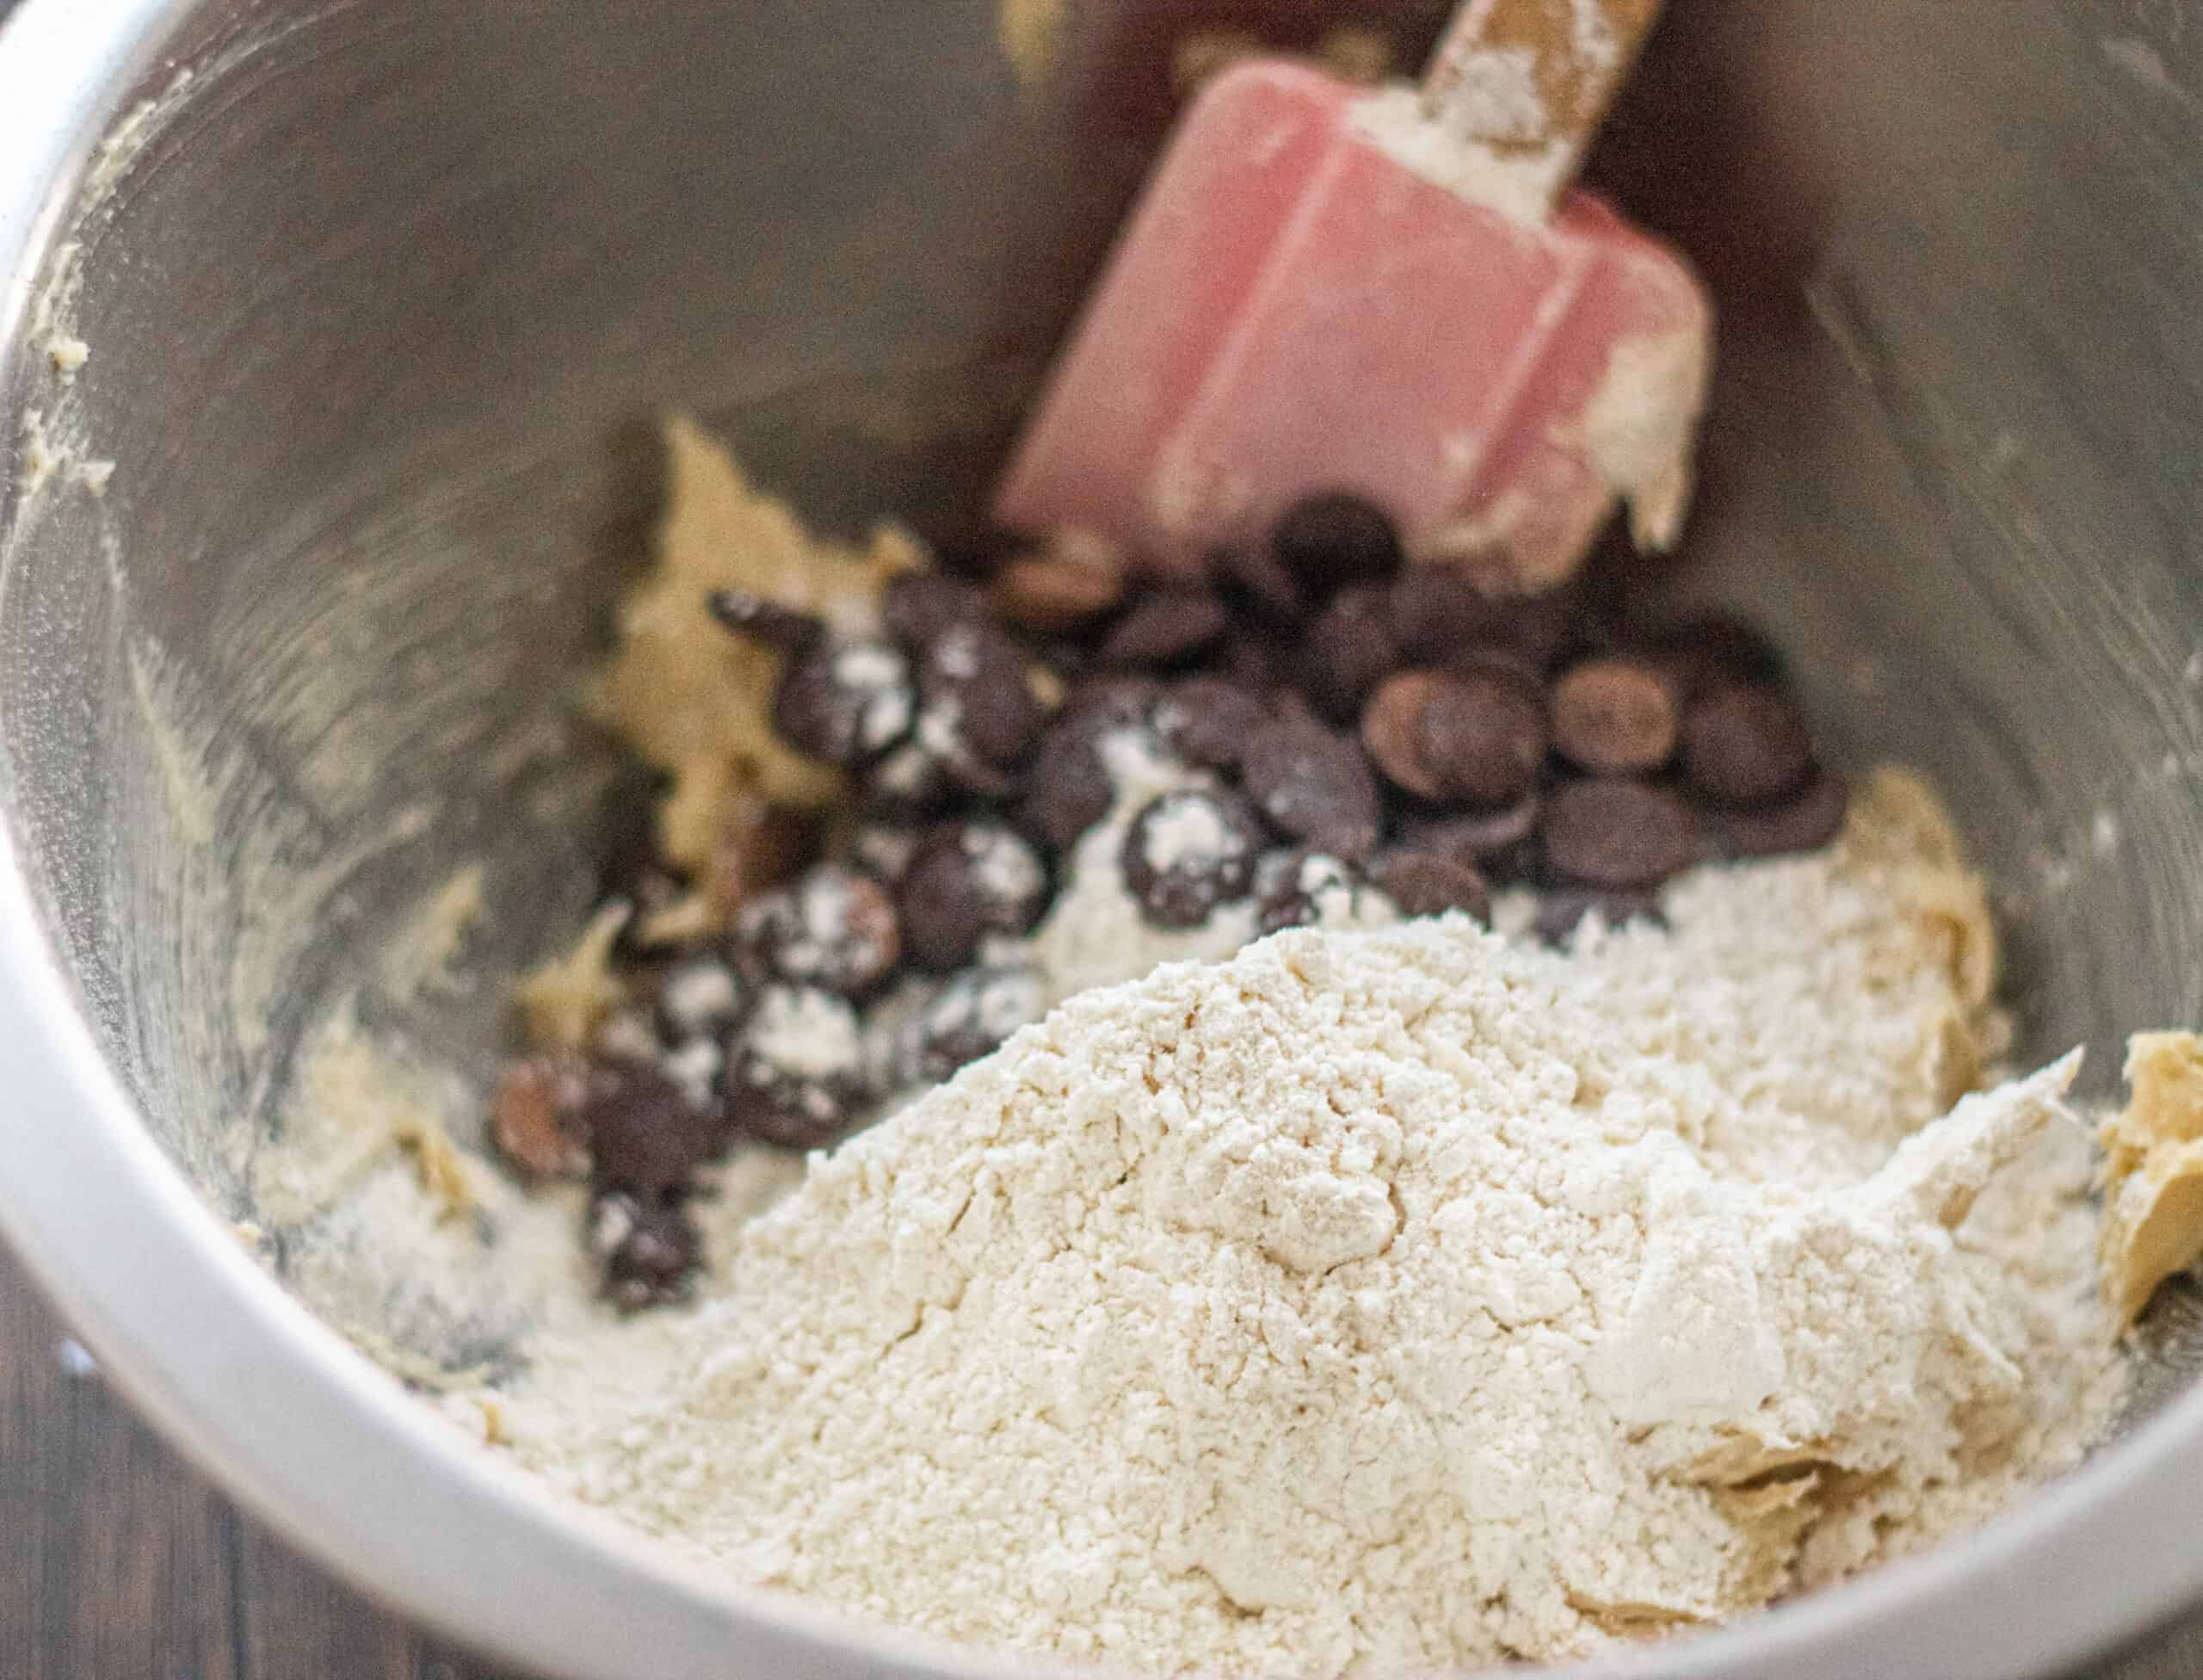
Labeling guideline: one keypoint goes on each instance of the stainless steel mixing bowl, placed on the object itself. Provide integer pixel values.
(380, 299)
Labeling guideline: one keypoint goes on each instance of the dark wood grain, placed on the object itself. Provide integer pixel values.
(119, 1563)
(116, 1562)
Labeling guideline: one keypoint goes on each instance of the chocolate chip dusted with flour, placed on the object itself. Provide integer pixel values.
(795, 1069)
(1186, 853)
(1208, 720)
(647, 1245)
(836, 928)
(845, 702)
(965, 882)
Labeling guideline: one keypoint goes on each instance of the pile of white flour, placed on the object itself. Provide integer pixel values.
(1377, 1301)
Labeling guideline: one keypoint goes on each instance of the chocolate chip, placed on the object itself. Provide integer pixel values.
(699, 996)
(1330, 539)
(968, 880)
(1315, 787)
(921, 607)
(649, 1247)
(763, 846)
(1257, 661)
(912, 779)
(766, 622)
(1430, 884)
(1166, 627)
(1608, 832)
(795, 1071)
(884, 850)
(1551, 628)
(1110, 699)
(1070, 787)
(1207, 720)
(970, 1016)
(1745, 744)
(1496, 842)
(624, 841)
(1060, 592)
(1616, 715)
(836, 928)
(1254, 580)
(536, 1118)
(1715, 647)
(977, 702)
(844, 701)
(1300, 888)
(1563, 910)
(1391, 732)
(1802, 824)
(1483, 736)
(1439, 610)
(1188, 852)
(645, 1132)
(1349, 650)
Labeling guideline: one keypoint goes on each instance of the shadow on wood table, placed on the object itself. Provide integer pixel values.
(117, 1562)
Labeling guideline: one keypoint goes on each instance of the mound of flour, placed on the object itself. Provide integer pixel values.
(1377, 1301)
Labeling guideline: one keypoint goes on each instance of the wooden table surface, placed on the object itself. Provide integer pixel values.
(119, 1563)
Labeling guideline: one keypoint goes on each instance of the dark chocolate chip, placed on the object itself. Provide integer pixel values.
(795, 1071)
(644, 1131)
(1552, 628)
(1391, 732)
(1349, 650)
(1605, 831)
(536, 1119)
(1294, 888)
(766, 622)
(1616, 715)
(1254, 580)
(649, 1247)
(1333, 538)
(1438, 611)
(1257, 660)
(1483, 736)
(763, 846)
(1715, 647)
(1188, 852)
(1561, 910)
(977, 700)
(1802, 824)
(699, 996)
(1745, 744)
(1430, 884)
(968, 880)
(970, 1016)
(1166, 627)
(1109, 700)
(844, 701)
(1495, 842)
(1208, 720)
(920, 607)
(836, 928)
(1315, 787)
(1069, 788)
(884, 850)
(1059, 593)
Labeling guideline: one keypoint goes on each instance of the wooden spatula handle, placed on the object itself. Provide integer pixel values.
(1534, 77)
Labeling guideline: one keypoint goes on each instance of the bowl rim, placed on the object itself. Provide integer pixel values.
(287, 1418)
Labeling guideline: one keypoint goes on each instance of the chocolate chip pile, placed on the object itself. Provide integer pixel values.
(1335, 724)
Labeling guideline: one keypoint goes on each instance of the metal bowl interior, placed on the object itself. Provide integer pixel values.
(382, 302)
